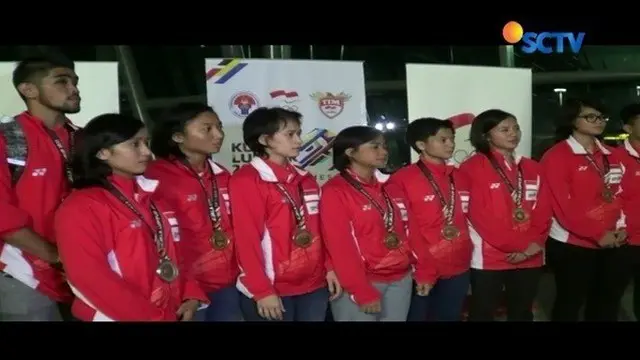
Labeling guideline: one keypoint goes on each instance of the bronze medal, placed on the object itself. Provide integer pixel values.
(450, 232)
(167, 270)
(607, 195)
(219, 240)
(520, 215)
(303, 238)
(391, 241)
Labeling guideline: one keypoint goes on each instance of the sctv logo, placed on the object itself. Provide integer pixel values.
(544, 42)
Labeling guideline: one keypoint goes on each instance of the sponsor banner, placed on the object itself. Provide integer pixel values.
(459, 93)
(98, 86)
(330, 95)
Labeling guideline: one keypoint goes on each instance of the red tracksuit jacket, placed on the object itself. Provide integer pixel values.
(354, 231)
(630, 196)
(494, 232)
(581, 216)
(32, 203)
(179, 188)
(110, 257)
(436, 257)
(264, 226)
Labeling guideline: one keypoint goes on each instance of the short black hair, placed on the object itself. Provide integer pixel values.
(482, 124)
(423, 128)
(266, 121)
(173, 121)
(630, 113)
(569, 111)
(101, 132)
(33, 69)
(351, 138)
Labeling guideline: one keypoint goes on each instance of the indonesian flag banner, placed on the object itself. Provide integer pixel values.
(329, 94)
(459, 93)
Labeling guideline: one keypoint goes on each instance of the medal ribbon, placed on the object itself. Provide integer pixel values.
(158, 233)
(213, 201)
(603, 172)
(516, 191)
(447, 207)
(66, 161)
(387, 215)
(298, 211)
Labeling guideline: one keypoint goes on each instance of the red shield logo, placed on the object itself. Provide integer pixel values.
(329, 104)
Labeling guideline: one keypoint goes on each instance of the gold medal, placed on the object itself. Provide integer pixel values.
(391, 241)
(607, 195)
(450, 232)
(219, 240)
(167, 270)
(520, 215)
(303, 238)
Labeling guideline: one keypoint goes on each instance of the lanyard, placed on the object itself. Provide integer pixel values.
(515, 190)
(66, 158)
(213, 201)
(447, 207)
(298, 211)
(387, 215)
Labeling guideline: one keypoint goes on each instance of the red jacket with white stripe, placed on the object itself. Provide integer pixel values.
(436, 257)
(32, 203)
(181, 190)
(494, 232)
(581, 216)
(630, 157)
(264, 225)
(110, 256)
(354, 232)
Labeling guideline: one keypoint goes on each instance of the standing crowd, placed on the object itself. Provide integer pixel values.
(117, 222)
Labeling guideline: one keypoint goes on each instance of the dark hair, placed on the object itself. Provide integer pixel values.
(629, 113)
(351, 137)
(482, 124)
(33, 69)
(101, 132)
(424, 128)
(266, 121)
(569, 111)
(174, 121)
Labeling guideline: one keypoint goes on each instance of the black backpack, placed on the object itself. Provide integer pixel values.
(16, 146)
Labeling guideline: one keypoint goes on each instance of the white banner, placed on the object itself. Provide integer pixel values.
(329, 94)
(460, 93)
(98, 86)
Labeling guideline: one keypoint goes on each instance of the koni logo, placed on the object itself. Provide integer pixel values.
(544, 42)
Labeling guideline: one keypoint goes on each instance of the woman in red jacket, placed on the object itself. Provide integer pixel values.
(116, 244)
(196, 188)
(284, 271)
(510, 215)
(363, 228)
(437, 224)
(584, 177)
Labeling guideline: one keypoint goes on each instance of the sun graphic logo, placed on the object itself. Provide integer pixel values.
(544, 42)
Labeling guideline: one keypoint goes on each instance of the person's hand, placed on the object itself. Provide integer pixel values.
(270, 307)
(608, 240)
(621, 237)
(515, 258)
(374, 307)
(188, 309)
(532, 249)
(334, 285)
(423, 289)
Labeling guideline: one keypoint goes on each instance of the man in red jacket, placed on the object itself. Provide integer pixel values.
(31, 281)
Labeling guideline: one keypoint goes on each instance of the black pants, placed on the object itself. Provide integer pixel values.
(521, 288)
(595, 278)
(634, 254)
(65, 312)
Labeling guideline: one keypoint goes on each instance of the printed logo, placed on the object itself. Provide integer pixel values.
(462, 125)
(224, 70)
(287, 99)
(329, 104)
(243, 103)
(316, 147)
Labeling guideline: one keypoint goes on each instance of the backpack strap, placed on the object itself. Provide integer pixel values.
(16, 146)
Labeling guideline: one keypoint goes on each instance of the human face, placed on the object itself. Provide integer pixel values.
(286, 142)
(590, 122)
(506, 135)
(128, 158)
(58, 91)
(633, 129)
(372, 154)
(202, 135)
(439, 146)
